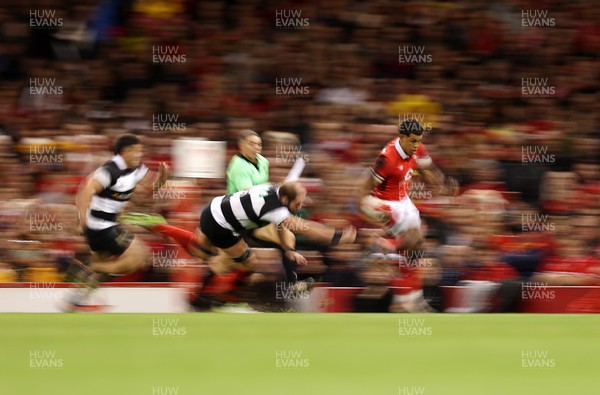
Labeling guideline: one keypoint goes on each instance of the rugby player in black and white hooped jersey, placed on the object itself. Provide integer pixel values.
(225, 219)
(102, 198)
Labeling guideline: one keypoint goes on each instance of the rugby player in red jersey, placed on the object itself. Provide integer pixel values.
(389, 182)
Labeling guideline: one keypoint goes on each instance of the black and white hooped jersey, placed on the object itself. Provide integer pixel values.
(248, 209)
(119, 183)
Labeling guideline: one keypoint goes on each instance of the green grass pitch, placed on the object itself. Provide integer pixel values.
(309, 354)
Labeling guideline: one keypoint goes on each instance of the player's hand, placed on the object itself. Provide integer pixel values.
(164, 172)
(296, 257)
(348, 235)
(451, 187)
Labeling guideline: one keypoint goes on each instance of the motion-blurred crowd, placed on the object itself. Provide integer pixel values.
(507, 90)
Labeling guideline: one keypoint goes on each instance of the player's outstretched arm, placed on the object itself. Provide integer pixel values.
(164, 173)
(320, 233)
(149, 184)
(288, 241)
(441, 184)
(314, 231)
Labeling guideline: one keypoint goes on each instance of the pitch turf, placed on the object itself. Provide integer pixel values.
(309, 354)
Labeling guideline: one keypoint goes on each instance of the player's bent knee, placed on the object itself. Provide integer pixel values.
(134, 258)
(201, 247)
(197, 250)
(247, 260)
(243, 257)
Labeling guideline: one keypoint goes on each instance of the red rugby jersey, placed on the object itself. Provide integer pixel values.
(393, 170)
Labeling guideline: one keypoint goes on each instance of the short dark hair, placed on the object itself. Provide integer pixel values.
(411, 126)
(244, 134)
(125, 141)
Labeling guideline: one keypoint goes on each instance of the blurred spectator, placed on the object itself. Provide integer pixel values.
(376, 295)
(343, 266)
(573, 265)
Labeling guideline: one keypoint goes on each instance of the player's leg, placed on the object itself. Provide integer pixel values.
(411, 240)
(114, 251)
(235, 257)
(200, 246)
(203, 243)
(406, 227)
(244, 259)
(133, 258)
(117, 251)
(319, 233)
(195, 243)
(409, 297)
